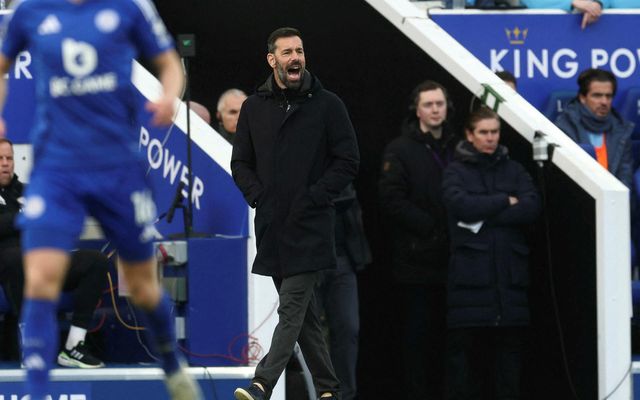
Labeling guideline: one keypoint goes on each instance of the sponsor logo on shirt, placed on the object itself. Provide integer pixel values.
(50, 25)
(79, 60)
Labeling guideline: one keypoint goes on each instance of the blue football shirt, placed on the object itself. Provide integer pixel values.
(82, 55)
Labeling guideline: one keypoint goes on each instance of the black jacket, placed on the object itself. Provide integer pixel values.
(223, 132)
(488, 272)
(293, 153)
(9, 208)
(411, 200)
(350, 239)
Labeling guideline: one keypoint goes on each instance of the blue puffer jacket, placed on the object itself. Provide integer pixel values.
(489, 270)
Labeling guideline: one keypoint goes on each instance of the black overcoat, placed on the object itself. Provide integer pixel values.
(410, 189)
(293, 153)
(9, 208)
(488, 270)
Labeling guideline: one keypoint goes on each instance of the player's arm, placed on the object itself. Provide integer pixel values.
(5, 63)
(172, 79)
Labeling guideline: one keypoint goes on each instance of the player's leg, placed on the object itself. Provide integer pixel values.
(127, 216)
(145, 292)
(44, 273)
(51, 221)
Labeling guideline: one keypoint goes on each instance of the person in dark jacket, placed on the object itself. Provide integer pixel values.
(490, 200)
(411, 199)
(87, 274)
(294, 151)
(337, 291)
(590, 119)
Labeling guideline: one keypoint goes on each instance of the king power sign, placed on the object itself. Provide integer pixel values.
(548, 52)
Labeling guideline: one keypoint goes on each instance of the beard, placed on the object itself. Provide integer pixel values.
(283, 75)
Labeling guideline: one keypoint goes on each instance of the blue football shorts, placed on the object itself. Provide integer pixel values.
(119, 198)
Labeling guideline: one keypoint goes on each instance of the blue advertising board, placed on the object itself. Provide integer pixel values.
(218, 206)
(547, 52)
(213, 388)
(59, 391)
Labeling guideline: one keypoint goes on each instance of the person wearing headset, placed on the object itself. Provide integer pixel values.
(410, 196)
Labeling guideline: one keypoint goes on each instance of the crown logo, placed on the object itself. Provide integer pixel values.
(516, 35)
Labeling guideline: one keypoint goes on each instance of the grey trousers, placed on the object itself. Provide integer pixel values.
(298, 321)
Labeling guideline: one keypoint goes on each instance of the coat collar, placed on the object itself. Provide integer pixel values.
(411, 129)
(466, 153)
(615, 139)
(572, 111)
(310, 85)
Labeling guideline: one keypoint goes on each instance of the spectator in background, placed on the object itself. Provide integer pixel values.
(508, 78)
(229, 106)
(591, 119)
(201, 111)
(410, 197)
(591, 9)
(490, 199)
(337, 291)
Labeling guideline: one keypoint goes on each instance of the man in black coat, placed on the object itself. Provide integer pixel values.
(294, 152)
(411, 199)
(490, 199)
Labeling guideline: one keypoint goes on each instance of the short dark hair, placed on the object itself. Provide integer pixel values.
(481, 113)
(593, 74)
(281, 33)
(426, 86)
(5, 140)
(507, 77)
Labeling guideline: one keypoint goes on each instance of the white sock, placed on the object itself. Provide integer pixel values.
(76, 335)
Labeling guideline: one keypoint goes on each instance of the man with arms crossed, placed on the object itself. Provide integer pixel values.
(490, 201)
